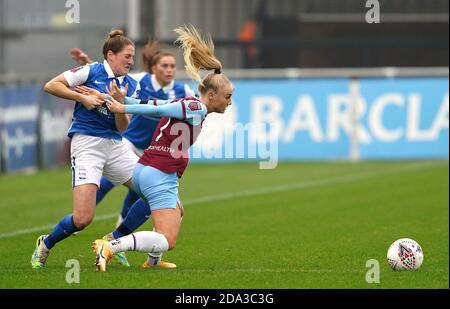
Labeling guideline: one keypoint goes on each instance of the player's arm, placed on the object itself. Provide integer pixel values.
(113, 91)
(190, 111)
(80, 56)
(134, 106)
(59, 86)
(122, 121)
(134, 101)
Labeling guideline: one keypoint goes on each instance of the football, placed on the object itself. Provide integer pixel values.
(405, 254)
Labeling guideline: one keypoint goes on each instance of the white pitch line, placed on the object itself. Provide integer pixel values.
(259, 191)
(262, 270)
(310, 184)
(283, 270)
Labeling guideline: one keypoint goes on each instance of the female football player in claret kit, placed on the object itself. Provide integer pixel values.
(156, 175)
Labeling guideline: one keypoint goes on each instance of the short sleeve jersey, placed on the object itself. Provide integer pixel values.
(99, 121)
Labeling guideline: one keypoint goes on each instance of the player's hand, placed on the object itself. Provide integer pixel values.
(90, 92)
(114, 106)
(91, 102)
(116, 93)
(80, 56)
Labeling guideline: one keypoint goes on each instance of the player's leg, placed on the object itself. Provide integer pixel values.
(88, 158)
(119, 169)
(83, 213)
(161, 190)
(136, 217)
(105, 187)
(155, 260)
(140, 210)
(131, 196)
(129, 200)
(152, 185)
(167, 225)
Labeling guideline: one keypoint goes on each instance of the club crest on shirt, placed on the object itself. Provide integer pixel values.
(194, 106)
(74, 70)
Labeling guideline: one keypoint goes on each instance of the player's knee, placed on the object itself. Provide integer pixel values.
(171, 240)
(172, 243)
(82, 221)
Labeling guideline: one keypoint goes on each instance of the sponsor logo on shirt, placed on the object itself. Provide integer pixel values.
(103, 110)
(74, 70)
(194, 106)
(162, 148)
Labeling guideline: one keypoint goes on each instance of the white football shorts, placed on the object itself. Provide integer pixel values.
(137, 151)
(91, 157)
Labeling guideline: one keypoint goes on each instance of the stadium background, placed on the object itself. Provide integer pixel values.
(356, 106)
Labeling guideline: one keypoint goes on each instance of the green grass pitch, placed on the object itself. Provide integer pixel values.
(301, 225)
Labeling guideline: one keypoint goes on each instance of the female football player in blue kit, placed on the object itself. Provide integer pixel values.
(157, 83)
(96, 145)
(156, 175)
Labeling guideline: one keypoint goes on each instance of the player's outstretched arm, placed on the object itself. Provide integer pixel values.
(155, 102)
(113, 91)
(114, 106)
(80, 56)
(167, 110)
(90, 92)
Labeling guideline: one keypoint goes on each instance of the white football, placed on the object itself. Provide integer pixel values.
(405, 254)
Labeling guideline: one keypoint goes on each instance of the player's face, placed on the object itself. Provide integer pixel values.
(165, 70)
(122, 62)
(222, 98)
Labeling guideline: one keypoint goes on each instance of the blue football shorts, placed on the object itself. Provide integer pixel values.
(158, 189)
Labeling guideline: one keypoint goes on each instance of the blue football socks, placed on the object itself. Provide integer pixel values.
(105, 187)
(137, 215)
(62, 230)
(128, 201)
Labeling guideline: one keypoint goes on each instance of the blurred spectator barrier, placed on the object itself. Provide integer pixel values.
(335, 119)
(19, 126)
(33, 127)
(314, 116)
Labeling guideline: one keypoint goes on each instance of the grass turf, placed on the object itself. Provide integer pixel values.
(301, 225)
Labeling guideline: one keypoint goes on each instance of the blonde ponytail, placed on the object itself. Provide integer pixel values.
(198, 52)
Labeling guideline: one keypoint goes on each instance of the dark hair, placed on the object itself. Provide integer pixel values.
(151, 54)
(115, 42)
